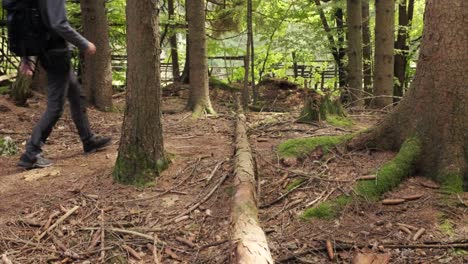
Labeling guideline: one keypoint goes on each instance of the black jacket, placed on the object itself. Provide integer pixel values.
(54, 16)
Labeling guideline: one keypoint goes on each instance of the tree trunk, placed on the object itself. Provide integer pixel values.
(97, 72)
(384, 43)
(340, 50)
(141, 152)
(367, 49)
(354, 16)
(21, 90)
(39, 82)
(435, 108)
(199, 99)
(173, 43)
(401, 47)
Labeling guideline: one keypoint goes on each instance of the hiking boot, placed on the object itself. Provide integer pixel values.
(37, 163)
(95, 143)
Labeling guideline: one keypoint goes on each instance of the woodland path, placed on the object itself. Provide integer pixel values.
(202, 149)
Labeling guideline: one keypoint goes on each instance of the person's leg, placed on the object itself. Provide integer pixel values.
(55, 63)
(78, 108)
(77, 101)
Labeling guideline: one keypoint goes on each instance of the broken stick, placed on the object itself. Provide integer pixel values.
(59, 221)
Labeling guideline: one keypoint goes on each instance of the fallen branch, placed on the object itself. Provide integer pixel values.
(6, 260)
(249, 241)
(59, 221)
(132, 252)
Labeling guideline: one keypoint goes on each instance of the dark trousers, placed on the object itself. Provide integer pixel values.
(62, 83)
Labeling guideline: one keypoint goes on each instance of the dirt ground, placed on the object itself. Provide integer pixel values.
(165, 221)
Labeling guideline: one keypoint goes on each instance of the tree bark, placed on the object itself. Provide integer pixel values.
(141, 152)
(97, 72)
(384, 59)
(249, 241)
(355, 73)
(199, 99)
(401, 46)
(367, 49)
(435, 108)
(173, 43)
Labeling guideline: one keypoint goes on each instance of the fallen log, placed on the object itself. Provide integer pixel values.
(250, 245)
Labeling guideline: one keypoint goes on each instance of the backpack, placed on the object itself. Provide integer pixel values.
(27, 34)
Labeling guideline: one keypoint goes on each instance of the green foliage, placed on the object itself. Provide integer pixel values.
(8, 147)
(327, 210)
(4, 90)
(452, 183)
(447, 227)
(393, 172)
(339, 121)
(302, 146)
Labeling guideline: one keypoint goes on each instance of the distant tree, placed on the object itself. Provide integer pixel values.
(354, 30)
(405, 16)
(97, 72)
(366, 49)
(173, 43)
(141, 152)
(199, 99)
(384, 43)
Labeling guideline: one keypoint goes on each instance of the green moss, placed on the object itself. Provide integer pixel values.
(447, 227)
(218, 84)
(393, 172)
(327, 210)
(294, 184)
(452, 183)
(339, 121)
(138, 169)
(302, 146)
(4, 90)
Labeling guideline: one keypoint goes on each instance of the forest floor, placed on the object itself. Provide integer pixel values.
(185, 216)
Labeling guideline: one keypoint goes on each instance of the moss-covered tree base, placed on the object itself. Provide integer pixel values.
(21, 90)
(318, 108)
(136, 168)
(200, 109)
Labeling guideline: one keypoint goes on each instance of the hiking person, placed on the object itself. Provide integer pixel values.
(62, 83)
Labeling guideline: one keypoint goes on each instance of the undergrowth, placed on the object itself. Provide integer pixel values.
(300, 147)
(339, 121)
(327, 210)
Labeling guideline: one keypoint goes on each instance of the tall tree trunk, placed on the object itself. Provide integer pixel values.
(141, 152)
(354, 16)
(173, 43)
(367, 49)
(246, 89)
(340, 50)
(252, 48)
(185, 77)
(199, 99)
(384, 59)
(401, 46)
(97, 74)
(435, 109)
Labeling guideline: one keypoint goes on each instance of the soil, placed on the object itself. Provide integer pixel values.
(202, 155)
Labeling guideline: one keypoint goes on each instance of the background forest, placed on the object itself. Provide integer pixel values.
(248, 131)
